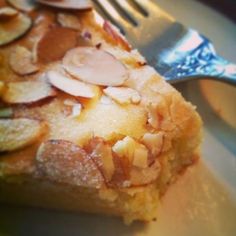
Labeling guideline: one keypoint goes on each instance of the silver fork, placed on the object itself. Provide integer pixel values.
(176, 52)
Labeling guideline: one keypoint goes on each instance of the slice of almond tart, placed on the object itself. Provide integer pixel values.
(85, 124)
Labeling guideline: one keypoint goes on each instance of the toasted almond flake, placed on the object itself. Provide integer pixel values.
(76, 110)
(42, 23)
(123, 95)
(7, 13)
(55, 43)
(69, 21)
(27, 92)
(15, 28)
(154, 142)
(133, 158)
(23, 5)
(20, 61)
(101, 153)
(69, 85)
(18, 133)
(140, 156)
(136, 153)
(125, 148)
(95, 66)
(65, 162)
(159, 116)
(72, 108)
(68, 4)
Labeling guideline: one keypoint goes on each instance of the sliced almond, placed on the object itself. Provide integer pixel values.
(133, 158)
(21, 61)
(15, 28)
(95, 66)
(72, 108)
(76, 110)
(69, 85)
(123, 95)
(101, 153)
(140, 158)
(65, 162)
(69, 21)
(125, 148)
(158, 115)
(55, 43)
(7, 13)
(134, 151)
(154, 142)
(19, 133)
(27, 92)
(42, 24)
(68, 4)
(23, 5)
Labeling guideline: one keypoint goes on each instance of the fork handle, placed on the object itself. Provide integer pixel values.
(203, 63)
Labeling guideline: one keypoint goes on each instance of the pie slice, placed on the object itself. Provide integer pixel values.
(85, 124)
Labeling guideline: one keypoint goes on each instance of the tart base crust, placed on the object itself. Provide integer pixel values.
(136, 203)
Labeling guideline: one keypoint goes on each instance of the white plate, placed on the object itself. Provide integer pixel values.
(203, 201)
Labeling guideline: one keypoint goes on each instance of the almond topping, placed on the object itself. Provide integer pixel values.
(23, 5)
(65, 162)
(69, 21)
(76, 110)
(154, 142)
(69, 85)
(14, 28)
(136, 153)
(72, 108)
(7, 13)
(27, 92)
(21, 61)
(95, 66)
(140, 156)
(102, 156)
(55, 43)
(123, 95)
(133, 157)
(68, 4)
(125, 148)
(18, 133)
(158, 115)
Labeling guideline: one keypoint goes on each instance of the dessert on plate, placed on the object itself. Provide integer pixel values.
(85, 124)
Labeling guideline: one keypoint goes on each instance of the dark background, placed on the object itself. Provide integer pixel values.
(226, 7)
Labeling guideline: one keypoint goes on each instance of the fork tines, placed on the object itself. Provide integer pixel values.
(122, 13)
